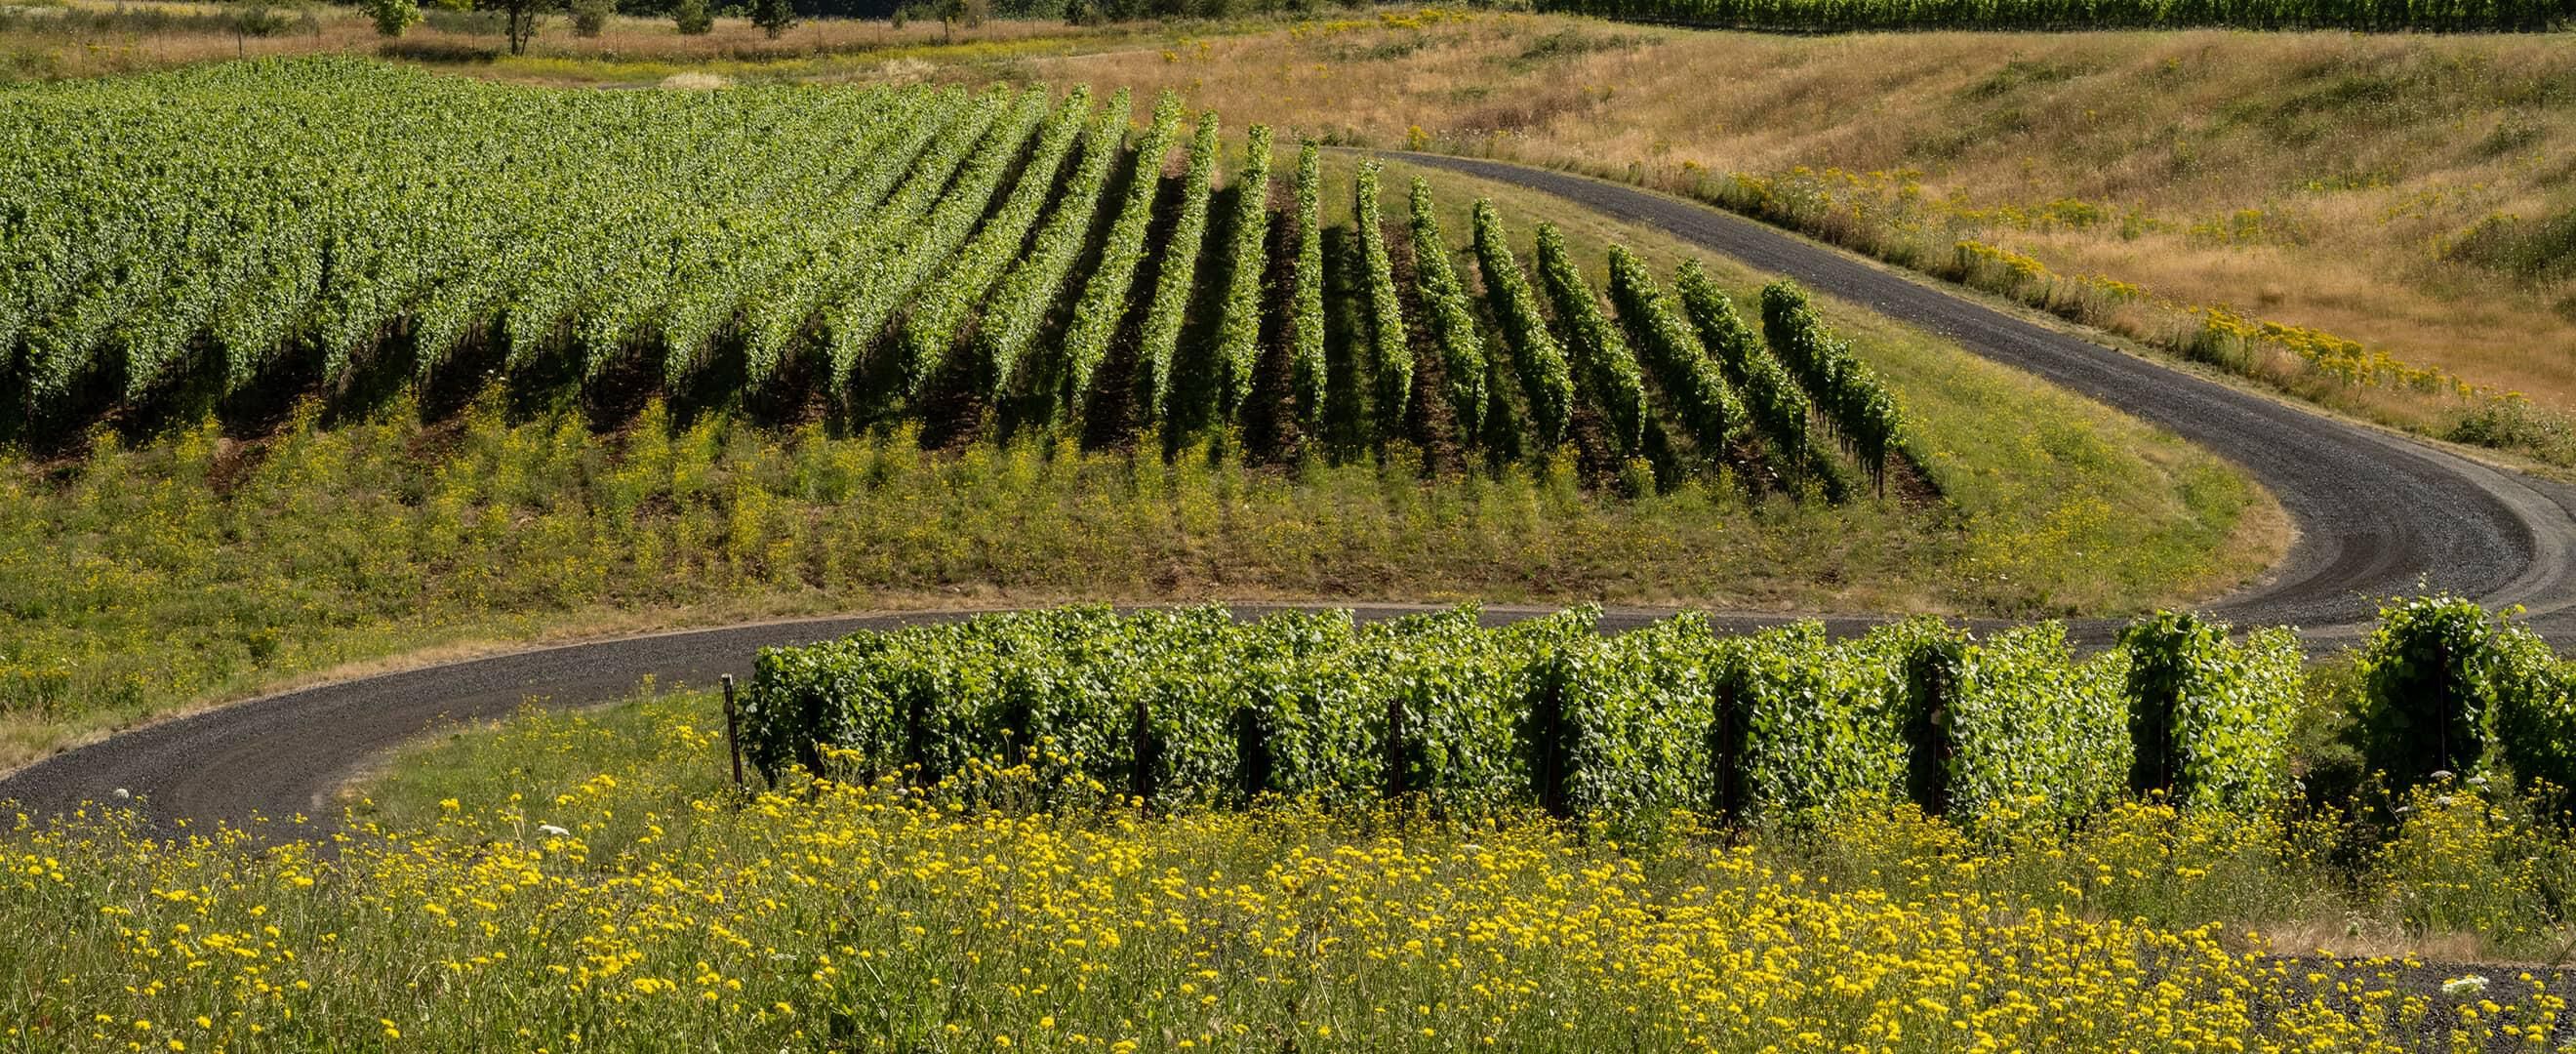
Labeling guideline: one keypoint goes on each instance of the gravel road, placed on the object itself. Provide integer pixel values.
(2375, 511)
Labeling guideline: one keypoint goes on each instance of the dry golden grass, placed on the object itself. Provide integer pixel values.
(2352, 160)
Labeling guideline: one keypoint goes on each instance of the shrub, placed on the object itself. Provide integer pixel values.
(774, 17)
(2429, 676)
(693, 17)
(2536, 715)
(393, 16)
(2209, 720)
(589, 17)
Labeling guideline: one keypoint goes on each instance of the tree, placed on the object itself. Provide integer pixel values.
(589, 17)
(693, 17)
(522, 19)
(968, 13)
(393, 16)
(773, 16)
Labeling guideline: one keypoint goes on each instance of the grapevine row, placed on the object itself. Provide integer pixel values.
(1162, 333)
(1192, 707)
(1238, 341)
(1307, 366)
(1544, 373)
(1452, 323)
(1770, 395)
(1104, 297)
(936, 315)
(888, 279)
(1862, 410)
(1020, 307)
(1836, 16)
(1609, 368)
(1672, 348)
(1393, 352)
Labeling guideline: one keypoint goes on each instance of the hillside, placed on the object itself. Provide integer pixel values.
(2411, 194)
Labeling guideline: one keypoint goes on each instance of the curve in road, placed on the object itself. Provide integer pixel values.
(2377, 514)
(2374, 512)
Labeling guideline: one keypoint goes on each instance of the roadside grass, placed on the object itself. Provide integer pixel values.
(2469, 879)
(587, 874)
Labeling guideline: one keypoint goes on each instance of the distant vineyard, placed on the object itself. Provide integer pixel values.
(2369, 16)
(1192, 707)
(904, 251)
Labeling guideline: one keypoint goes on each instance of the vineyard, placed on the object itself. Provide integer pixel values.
(2367, 16)
(1186, 708)
(978, 262)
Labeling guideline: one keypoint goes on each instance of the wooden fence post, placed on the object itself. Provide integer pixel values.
(733, 737)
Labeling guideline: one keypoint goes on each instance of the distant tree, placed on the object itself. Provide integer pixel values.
(967, 13)
(589, 17)
(773, 16)
(521, 19)
(693, 17)
(393, 16)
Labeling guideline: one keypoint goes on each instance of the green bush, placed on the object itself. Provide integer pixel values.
(2209, 720)
(693, 17)
(2429, 676)
(2536, 715)
(2032, 735)
(1785, 726)
(589, 17)
(393, 16)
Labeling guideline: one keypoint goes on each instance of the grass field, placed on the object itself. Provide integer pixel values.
(588, 880)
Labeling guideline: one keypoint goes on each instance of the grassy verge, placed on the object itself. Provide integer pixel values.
(585, 880)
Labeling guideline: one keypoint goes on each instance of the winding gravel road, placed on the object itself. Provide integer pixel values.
(2374, 513)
